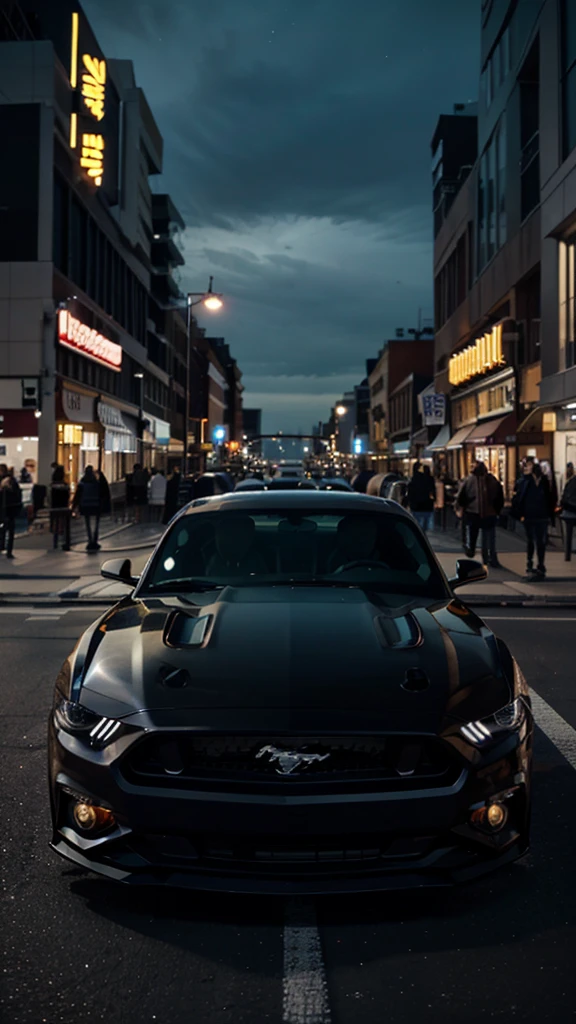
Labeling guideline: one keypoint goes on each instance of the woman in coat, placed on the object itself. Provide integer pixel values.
(88, 499)
(421, 496)
(482, 498)
(533, 504)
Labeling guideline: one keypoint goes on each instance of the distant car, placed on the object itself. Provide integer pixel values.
(250, 484)
(337, 483)
(291, 483)
(210, 484)
(290, 699)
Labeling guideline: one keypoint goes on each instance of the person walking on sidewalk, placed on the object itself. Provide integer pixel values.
(59, 511)
(534, 506)
(421, 495)
(88, 500)
(10, 502)
(482, 498)
(172, 504)
(139, 490)
(156, 495)
(568, 512)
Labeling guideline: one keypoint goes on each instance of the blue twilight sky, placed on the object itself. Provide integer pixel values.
(297, 147)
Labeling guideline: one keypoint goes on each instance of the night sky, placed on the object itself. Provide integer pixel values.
(297, 147)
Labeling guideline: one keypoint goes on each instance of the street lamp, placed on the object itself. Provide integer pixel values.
(212, 302)
(341, 410)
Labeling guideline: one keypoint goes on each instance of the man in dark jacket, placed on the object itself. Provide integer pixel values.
(171, 503)
(421, 495)
(482, 498)
(88, 499)
(10, 502)
(534, 505)
(568, 513)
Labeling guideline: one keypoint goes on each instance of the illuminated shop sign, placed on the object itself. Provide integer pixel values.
(484, 355)
(74, 334)
(92, 89)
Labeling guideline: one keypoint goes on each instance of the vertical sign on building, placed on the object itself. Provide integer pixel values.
(94, 120)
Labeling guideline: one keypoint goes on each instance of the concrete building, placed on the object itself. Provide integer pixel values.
(85, 372)
(504, 256)
(409, 355)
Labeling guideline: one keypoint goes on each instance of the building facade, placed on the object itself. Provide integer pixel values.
(503, 257)
(85, 369)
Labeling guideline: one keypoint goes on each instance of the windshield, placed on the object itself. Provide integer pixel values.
(384, 552)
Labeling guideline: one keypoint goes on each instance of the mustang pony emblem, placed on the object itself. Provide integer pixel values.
(290, 761)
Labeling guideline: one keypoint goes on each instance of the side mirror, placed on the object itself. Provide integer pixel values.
(468, 571)
(119, 570)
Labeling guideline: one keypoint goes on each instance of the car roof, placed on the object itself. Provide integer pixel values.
(314, 501)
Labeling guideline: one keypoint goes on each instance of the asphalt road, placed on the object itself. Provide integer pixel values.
(76, 948)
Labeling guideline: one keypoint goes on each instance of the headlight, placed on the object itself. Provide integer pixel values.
(76, 719)
(506, 720)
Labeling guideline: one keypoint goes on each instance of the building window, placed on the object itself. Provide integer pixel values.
(566, 293)
(529, 80)
(501, 193)
(492, 224)
(569, 75)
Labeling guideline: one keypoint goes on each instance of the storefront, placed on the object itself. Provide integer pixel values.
(156, 443)
(119, 440)
(483, 409)
(19, 441)
(77, 433)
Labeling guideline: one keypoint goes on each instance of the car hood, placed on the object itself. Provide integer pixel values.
(326, 657)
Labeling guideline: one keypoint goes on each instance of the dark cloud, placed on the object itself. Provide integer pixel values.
(292, 128)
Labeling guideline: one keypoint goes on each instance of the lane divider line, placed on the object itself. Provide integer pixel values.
(305, 991)
(555, 727)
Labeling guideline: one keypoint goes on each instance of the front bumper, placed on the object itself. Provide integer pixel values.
(284, 839)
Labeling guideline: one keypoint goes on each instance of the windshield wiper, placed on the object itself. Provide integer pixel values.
(185, 583)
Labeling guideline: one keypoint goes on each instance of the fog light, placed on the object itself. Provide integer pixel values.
(88, 817)
(85, 816)
(496, 816)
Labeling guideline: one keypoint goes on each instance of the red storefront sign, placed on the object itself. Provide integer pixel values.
(78, 336)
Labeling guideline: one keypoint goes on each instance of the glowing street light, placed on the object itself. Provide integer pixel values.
(212, 302)
(341, 410)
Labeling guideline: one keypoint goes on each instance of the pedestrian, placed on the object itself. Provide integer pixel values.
(139, 490)
(10, 502)
(59, 511)
(157, 495)
(105, 496)
(481, 496)
(533, 505)
(171, 503)
(568, 511)
(421, 495)
(88, 500)
(25, 477)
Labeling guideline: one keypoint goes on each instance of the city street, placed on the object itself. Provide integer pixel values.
(78, 948)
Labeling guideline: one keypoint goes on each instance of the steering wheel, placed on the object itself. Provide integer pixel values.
(359, 563)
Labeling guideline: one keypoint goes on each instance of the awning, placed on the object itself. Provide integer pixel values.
(538, 420)
(420, 438)
(401, 447)
(118, 435)
(459, 437)
(440, 441)
(493, 431)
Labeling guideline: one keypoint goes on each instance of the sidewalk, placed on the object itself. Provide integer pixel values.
(42, 575)
(39, 573)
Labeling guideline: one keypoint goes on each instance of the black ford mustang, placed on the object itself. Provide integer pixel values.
(291, 699)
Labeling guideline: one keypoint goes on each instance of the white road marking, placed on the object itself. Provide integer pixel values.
(555, 727)
(305, 994)
(43, 618)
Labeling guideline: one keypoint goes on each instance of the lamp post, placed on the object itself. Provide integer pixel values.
(213, 302)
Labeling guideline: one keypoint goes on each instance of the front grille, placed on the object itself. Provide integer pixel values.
(192, 759)
(263, 855)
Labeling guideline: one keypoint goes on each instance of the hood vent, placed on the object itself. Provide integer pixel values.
(402, 631)
(187, 630)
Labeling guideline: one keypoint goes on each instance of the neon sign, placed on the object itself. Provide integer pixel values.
(78, 336)
(485, 354)
(94, 85)
(92, 89)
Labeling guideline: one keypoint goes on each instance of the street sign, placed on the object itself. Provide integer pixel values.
(434, 410)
